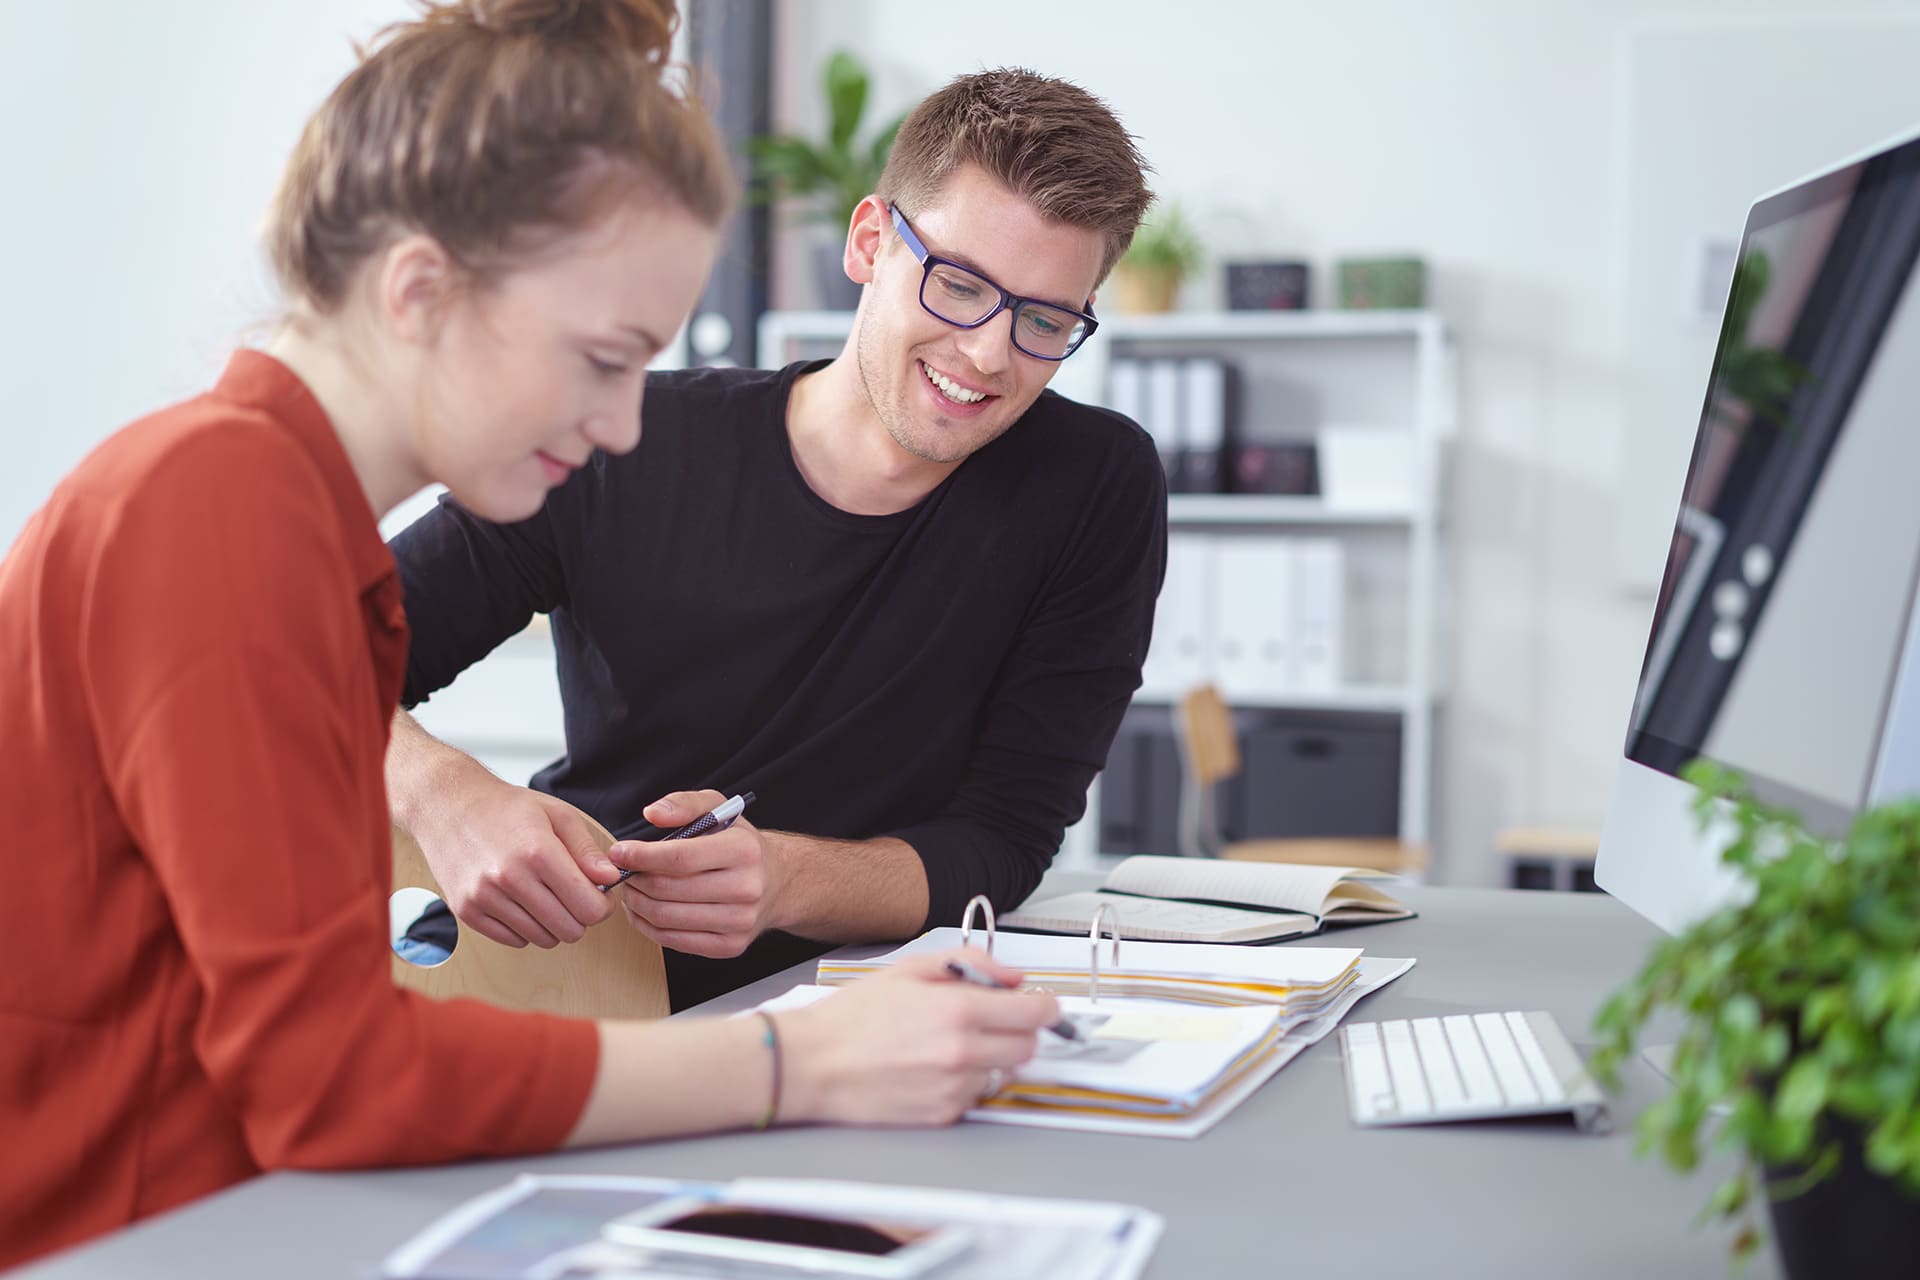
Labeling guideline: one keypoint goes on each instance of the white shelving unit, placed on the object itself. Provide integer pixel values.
(1297, 372)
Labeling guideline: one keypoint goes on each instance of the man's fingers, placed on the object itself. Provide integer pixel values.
(693, 917)
(714, 946)
(488, 927)
(732, 885)
(580, 842)
(722, 849)
(681, 807)
(579, 902)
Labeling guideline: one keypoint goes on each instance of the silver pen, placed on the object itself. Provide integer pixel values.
(960, 969)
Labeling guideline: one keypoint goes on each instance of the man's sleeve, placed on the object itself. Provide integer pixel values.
(1056, 704)
(235, 741)
(470, 584)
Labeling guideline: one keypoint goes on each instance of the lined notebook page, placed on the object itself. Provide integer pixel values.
(1157, 918)
(1280, 885)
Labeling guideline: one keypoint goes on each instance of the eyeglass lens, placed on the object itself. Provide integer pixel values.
(960, 297)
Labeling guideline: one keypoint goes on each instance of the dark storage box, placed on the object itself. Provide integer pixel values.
(1310, 774)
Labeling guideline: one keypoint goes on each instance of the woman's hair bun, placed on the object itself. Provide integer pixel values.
(642, 27)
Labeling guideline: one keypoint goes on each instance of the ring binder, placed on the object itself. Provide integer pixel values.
(966, 920)
(1104, 912)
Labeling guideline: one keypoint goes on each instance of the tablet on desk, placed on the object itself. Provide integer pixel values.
(782, 1240)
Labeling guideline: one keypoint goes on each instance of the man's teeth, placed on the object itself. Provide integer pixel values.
(951, 389)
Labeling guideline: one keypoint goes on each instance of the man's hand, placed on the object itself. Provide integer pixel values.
(517, 865)
(710, 895)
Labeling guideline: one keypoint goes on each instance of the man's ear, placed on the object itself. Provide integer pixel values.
(866, 232)
(414, 283)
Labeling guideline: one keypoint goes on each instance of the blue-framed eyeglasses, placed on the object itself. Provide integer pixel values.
(966, 299)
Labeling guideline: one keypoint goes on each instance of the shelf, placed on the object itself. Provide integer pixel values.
(1212, 326)
(1387, 698)
(1257, 508)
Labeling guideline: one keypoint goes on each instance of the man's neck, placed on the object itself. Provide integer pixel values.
(845, 452)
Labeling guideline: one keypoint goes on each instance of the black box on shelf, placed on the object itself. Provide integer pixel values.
(1288, 466)
(1311, 773)
(1303, 773)
(1278, 285)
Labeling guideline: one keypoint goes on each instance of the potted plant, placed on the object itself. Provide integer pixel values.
(1800, 1048)
(838, 171)
(1164, 251)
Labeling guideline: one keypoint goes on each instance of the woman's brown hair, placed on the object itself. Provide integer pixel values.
(496, 127)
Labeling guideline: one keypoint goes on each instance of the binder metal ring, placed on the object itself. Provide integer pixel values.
(1104, 912)
(966, 920)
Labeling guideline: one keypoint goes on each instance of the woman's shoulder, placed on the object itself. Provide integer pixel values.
(204, 469)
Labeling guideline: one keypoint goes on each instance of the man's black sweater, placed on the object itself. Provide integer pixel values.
(951, 675)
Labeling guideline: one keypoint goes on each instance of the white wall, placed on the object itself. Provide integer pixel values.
(1489, 137)
(139, 145)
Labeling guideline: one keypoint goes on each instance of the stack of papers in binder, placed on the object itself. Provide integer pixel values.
(1180, 1034)
(1191, 1068)
(1300, 980)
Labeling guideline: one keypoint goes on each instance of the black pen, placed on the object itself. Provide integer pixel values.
(960, 969)
(719, 819)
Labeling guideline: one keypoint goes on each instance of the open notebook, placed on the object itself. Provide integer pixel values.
(1209, 900)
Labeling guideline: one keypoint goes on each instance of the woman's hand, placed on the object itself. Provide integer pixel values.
(911, 1046)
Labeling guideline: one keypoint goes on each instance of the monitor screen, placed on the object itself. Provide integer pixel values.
(1783, 612)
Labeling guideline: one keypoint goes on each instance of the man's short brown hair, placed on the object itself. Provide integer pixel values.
(1048, 141)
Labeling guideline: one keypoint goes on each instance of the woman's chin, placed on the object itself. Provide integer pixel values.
(502, 503)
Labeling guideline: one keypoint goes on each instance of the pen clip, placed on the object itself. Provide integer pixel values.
(1104, 912)
(966, 920)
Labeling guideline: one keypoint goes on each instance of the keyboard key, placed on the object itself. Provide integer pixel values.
(1442, 1076)
(1367, 1067)
(1505, 1056)
(1409, 1085)
(1535, 1057)
(1476, 1074)
(1467, 1067)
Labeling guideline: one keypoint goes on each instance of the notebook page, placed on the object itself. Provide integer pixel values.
(1281, 885)
(1157, 918)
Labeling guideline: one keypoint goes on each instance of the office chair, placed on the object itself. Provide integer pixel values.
(615, 971)
(1209, 755)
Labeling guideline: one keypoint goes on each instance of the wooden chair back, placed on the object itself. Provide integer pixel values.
(1209, 747)
(615, 971)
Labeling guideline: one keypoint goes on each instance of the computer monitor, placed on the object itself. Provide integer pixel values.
(1782, 643)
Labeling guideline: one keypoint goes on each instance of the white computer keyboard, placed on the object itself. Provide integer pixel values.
(1467, 1067)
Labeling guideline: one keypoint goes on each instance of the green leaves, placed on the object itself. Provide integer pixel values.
(1800, 1005)
(845, 82)
(838, 172)
(1164, 242)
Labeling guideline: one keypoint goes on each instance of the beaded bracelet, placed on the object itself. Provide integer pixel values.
(770, 1036)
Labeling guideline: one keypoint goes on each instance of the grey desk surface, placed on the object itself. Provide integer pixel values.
(1285, 1185)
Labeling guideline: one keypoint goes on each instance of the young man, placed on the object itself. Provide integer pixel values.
(902, 596)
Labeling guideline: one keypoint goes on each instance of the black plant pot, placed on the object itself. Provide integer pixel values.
(1855, 1224)
(837, 293)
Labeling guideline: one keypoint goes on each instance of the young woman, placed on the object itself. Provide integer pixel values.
(483, 236)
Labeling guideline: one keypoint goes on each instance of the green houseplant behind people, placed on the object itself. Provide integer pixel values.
(837, 172)
(1801, 1043)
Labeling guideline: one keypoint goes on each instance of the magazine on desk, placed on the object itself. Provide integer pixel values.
(1160, 899)
(568, 1227)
